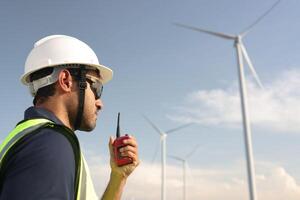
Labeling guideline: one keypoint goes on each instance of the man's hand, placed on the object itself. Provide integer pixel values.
(131, 151)
(118, 174)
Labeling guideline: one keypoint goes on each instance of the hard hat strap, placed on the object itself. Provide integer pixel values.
(82, 86)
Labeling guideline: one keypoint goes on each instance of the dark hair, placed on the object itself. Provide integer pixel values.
(43, 93)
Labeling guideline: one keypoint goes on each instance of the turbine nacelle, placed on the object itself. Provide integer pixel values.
(237, 42)
(163, 136)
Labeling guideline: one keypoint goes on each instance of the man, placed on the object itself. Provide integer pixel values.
(41, 157)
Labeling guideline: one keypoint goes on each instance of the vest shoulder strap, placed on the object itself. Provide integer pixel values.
(31, 127)
(20, 131)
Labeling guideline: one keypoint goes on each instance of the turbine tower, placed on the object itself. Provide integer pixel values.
(184, 168)
(241, 56)
(163, 138)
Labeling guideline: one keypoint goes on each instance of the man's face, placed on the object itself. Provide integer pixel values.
(92, 106)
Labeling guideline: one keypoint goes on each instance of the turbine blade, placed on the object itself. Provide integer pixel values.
(160, 132)
(245, 54)
(179, 127)
(193, 151)
(176, 158)
(247, 29)
(222, 35)
(155, 153)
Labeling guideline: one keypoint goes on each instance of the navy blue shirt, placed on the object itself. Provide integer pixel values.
(43, 167)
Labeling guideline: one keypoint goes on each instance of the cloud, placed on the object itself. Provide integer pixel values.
(274, 108)
(279, 180)
(273, 182)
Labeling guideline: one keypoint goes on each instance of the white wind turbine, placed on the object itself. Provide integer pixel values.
(241, 55)
(184, 168)
(163, 137)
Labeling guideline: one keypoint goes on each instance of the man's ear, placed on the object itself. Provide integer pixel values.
(65, 81)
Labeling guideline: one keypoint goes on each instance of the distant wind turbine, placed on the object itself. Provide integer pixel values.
(242, 55)
(184, 168)
(163, 137)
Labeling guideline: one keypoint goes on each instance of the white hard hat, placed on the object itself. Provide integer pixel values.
(56, 50)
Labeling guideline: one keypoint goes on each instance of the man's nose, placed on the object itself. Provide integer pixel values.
(99, 104)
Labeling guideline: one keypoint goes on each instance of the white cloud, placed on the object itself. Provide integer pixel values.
(273, 182)
(274, 108)
(277, 179)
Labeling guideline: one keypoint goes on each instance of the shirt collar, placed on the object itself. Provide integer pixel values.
(34, 112)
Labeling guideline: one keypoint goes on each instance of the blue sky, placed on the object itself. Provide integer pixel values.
(173, 76)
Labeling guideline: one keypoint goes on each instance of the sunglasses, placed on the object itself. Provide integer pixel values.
(95, 85)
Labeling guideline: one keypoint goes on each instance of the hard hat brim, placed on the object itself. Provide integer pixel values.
(105, 72)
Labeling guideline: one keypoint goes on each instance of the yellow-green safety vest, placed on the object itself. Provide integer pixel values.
(31, 127)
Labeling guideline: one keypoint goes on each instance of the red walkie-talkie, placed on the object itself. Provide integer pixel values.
(118, 143)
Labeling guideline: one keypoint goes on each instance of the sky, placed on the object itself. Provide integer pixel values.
(175, 76)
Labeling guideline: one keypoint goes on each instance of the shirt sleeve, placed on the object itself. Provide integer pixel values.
(43, 167)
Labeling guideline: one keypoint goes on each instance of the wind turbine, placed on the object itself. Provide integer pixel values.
(163, 138)
(184, 168)
(241, 55)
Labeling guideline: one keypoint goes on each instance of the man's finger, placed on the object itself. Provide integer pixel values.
(110, 145)
(131, 141)
(128, 148)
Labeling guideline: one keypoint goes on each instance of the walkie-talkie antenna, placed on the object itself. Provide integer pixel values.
(118, 126)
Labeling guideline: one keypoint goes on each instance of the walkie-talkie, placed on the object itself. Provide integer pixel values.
(118, 143)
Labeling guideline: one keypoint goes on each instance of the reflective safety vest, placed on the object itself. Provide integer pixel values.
(84, 189)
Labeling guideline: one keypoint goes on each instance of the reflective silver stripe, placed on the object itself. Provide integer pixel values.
(17, 137)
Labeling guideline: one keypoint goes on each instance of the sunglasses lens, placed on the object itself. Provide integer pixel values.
(96, 87)
(98, 92)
